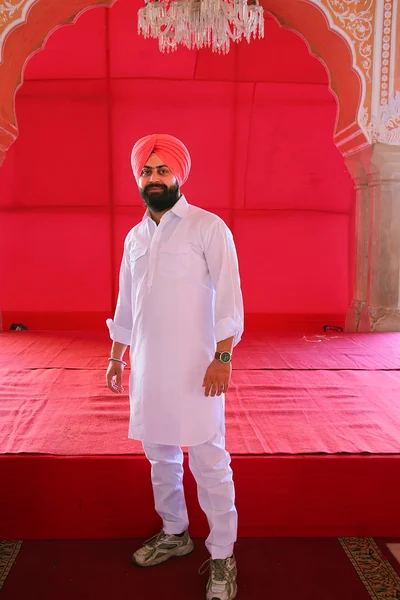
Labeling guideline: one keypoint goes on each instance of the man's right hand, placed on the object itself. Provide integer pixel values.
(114, 376)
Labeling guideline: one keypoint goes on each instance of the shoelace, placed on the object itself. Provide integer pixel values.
(218, 566)
(151, 542)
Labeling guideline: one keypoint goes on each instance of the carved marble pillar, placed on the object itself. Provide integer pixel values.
(376, 304)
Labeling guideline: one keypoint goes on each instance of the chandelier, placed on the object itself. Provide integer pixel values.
(201, 23)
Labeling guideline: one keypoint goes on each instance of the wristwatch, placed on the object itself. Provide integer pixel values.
(224, 357)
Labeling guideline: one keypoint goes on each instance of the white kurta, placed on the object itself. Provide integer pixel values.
(179, 294)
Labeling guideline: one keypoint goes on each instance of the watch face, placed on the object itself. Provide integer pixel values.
(225, 357)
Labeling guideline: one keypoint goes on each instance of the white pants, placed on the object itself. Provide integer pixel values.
(210, 465)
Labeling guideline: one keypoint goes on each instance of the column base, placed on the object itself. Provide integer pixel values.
(363, 318)
(354, 316)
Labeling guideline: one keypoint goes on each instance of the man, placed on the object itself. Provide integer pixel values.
(180, 309)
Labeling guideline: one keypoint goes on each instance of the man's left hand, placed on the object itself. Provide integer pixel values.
(217, 378)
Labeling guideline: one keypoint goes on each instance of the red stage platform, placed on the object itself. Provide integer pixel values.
(313, 425)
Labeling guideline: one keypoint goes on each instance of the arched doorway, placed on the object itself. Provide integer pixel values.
(277, 115)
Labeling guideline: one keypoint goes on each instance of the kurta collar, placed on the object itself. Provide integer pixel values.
(181, 208)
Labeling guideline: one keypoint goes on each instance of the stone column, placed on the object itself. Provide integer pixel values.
(361, 237)
(376, 304)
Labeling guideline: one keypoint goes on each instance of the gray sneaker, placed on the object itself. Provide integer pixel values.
(161, 547)
(222, 581)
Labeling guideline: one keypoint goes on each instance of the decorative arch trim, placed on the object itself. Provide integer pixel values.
(336, 51)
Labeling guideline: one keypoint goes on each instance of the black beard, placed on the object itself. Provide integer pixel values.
(160, 201)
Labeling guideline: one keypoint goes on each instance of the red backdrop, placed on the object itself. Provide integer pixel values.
(259, 125)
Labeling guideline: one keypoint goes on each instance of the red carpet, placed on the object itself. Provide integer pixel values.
(280, 569)
(289, 395)
(70, 412)
(87, 350)
(313, 425)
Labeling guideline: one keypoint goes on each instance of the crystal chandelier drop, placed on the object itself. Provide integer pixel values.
(201, 23)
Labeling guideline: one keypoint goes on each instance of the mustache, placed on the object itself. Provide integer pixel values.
(153, 186)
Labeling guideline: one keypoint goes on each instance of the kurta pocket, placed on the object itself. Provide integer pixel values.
(137, 260)
(174, 260)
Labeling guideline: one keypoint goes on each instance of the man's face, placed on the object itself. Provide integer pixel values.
(157, 185)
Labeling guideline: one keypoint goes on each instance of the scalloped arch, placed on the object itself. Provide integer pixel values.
(37, 19)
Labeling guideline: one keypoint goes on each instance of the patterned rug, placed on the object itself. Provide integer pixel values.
(8, 553)
(380, 579)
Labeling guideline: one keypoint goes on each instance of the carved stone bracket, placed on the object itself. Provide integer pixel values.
(8, 134)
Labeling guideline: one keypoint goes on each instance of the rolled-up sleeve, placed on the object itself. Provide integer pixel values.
(121, 326)
(222, 261)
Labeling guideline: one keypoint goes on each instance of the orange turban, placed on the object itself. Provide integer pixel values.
(172, 152)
